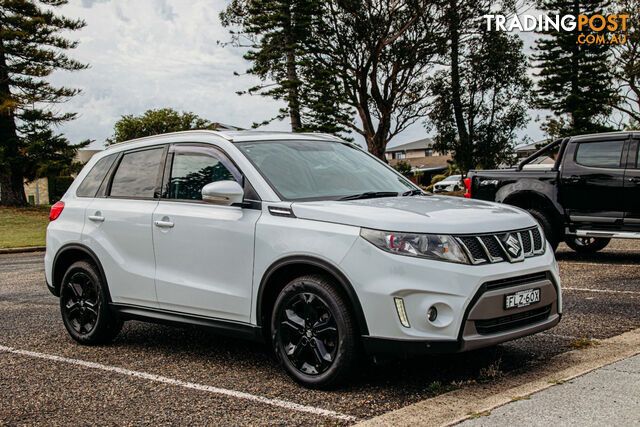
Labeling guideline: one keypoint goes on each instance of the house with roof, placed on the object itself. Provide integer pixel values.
(421, 156)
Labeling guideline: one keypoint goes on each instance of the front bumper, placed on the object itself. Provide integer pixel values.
(469, 300)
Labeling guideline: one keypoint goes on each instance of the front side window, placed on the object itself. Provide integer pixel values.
(137, 174)
(192, 171)
(605, 154)
(299, 169)
(91, 183)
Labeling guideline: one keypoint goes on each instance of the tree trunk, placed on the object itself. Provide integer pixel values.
(11, 177)
(464, 151)
(292, 75)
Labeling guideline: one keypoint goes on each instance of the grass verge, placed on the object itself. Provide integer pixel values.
(22, 227)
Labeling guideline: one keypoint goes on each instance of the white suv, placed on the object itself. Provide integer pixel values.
(303, 241)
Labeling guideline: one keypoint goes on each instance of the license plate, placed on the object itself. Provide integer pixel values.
(522, 298)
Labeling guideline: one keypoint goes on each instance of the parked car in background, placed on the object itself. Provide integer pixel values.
(449, 184)
(589, 195)
(303, 241)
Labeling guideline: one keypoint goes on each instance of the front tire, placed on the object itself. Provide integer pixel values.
(550, 232)
(587, 245)
(84, 306)
(313, 332)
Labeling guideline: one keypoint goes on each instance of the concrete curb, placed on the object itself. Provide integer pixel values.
(459, 405)
(22, 250)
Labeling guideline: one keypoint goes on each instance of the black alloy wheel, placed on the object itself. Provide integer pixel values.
(80, 302)
(587, 245)
(313, 332)
(309, 333)
(84, 308)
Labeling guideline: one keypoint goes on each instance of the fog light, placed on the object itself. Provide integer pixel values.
(402, 314)
(432, 313)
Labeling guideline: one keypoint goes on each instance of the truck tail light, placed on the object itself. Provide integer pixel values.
(467, 186)
(56, 210)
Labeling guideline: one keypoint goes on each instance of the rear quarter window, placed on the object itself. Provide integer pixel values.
(91, 182)
(605, 154)
(137, 174)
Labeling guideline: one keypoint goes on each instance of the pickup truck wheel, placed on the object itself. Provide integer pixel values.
(313, 332)
(547, 226)
(587, 245)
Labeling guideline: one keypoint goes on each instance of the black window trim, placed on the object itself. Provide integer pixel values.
(116, 165)
(224, 158)
(621, 160)
(100, 189)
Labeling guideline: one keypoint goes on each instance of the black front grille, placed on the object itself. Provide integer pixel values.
(515, 281)
(526, 243)
(493, 246)
(513, 246)
(474, 247)
(537, 239)
(513, 321)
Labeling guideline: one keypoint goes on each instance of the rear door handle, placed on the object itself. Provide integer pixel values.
(96, 218)
(635, 179)
(574, 179)
(163, 224)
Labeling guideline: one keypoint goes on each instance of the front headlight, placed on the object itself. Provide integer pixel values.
(432, 246)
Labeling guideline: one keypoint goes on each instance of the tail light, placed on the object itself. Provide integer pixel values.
(56, 210)
(467, 186)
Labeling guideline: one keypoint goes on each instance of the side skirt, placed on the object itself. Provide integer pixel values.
(167, 317)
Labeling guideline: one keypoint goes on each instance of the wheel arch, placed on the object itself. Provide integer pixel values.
(67, 255)
(286, 269)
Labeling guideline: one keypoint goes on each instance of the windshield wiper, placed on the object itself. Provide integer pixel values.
(369, 195)
(415, 192)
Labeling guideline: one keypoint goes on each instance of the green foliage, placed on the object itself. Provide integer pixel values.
(31, 48)
(332, 61)
(626, 62)
(279, 34)
(437, 178)
(403, 167)
(575, 79)
(155, 122)
(483, 92)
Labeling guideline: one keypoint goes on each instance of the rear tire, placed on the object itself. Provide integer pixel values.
(587, 245)
(313, 332)
(84, 306)
(550, 232)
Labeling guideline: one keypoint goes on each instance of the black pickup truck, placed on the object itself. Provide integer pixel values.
(587, 193)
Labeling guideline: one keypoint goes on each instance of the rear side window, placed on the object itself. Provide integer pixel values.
(91, 183)
(137, 174)
(605, 154)
(190, 172)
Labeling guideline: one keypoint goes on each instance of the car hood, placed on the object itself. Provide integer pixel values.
(418, 214)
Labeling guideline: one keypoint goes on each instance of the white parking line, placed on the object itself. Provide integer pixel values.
(194, 386)
(612, 291)
(597, 264)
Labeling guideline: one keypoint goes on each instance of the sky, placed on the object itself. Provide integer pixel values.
(166, 53)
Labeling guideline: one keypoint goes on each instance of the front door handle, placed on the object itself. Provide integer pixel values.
(96, 218)
(635, 179)
(163, 224)
(574, 179)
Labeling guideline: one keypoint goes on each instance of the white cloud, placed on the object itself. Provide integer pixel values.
(157, 53)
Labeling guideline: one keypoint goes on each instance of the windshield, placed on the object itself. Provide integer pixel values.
(316, 170)
(452, 178)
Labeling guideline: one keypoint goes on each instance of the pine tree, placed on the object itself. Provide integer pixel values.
(575, 80)
(31, 48)
(482, 94)
(278, 33)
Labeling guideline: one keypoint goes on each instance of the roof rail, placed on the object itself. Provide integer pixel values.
(131, 141)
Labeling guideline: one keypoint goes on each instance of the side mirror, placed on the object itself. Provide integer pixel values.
(222, 193)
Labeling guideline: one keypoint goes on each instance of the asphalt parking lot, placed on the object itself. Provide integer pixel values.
(162, 374)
